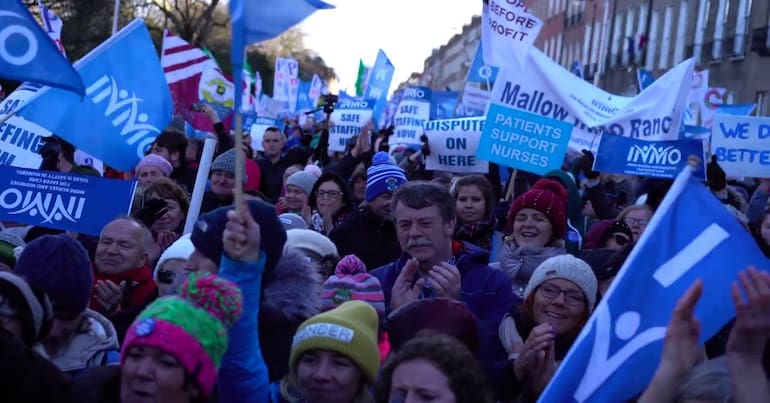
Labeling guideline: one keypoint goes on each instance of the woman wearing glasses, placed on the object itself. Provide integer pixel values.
(609, 234)
(537, 333)
(637, 217)
(330, 200)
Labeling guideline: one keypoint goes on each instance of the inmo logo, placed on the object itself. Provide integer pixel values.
(656, 155)
(51, 207)
(414, 93)
(18, 45)
(124, 112)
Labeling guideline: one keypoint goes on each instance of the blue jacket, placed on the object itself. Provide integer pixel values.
(243, 375)
(485, 291)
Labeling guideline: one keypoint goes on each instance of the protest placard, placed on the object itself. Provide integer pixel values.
(658, 159)
(523, 140)
(453, 144)
(742, 145)
(62, 201)
(412, 113)
(507, 31)
(349, 118)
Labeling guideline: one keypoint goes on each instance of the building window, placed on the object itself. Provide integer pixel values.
(723, 11)
(596, 44)
(629, 33)
(641, 28)
(652, 41)
(616, 36)
(700, 29)
(665, 45)
(558, 47)
(585, 59)
(741, 24)
(762, 109)
(681, 33)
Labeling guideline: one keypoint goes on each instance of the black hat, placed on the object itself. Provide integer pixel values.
(28, 303)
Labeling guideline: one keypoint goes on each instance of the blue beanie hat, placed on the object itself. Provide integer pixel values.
(383, 176)
(207, 233)
(60, 266)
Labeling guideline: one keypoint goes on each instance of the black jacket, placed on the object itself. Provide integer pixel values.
(367, 236)
(272, 177)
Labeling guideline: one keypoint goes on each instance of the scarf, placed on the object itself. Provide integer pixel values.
(478, 233)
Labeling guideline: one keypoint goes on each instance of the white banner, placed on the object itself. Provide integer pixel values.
(258, 131)
(20, 139)
(316, 87)
(453, 144)
(412, 113)
(507, 31)
(348, 119)
(543, 87)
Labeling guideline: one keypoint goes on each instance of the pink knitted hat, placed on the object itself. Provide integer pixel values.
(351, 282)
(155, 161)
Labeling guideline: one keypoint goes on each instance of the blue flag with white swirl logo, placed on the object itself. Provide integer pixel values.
(61, 200)
(28, 54)
(126, 104)
(691, 236)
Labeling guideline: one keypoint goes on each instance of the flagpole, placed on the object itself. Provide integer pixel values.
(115, 15)
(239, 153)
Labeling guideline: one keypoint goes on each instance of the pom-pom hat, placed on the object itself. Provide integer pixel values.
(383, 176)
(549, 197)
(191, 326)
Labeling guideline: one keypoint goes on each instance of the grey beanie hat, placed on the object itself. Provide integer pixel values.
(566, 267)
(303, 180)
(225, 162)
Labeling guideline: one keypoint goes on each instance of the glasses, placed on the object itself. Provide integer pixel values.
(621, 239)
(635, 221)
(571, 297)
(331, 194)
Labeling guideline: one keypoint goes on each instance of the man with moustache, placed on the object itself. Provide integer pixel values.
(433, 265)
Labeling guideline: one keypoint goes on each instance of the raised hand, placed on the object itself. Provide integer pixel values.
(533, 355)
(752, 320)
(242, 239)
(445, 279)
(109, 295)
(680, 348)
(403, 290)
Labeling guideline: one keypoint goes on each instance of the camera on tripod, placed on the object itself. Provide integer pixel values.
(329, 101)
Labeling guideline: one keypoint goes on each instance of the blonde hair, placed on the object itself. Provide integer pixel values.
(290, 390)
(634, 207)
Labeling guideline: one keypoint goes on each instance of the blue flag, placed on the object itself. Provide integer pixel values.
(379, 83)
(28, 54)
(644, 78)
(736, 110)
(259, 20)
(303, 97)
(443, 104)
(691, 236)
(127, 100)
(62, 200)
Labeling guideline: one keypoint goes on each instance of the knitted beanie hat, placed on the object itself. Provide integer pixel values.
(155, 161)
(549, 197)
(350, 329)
(303, 180)
(9, 242)
(383, 176)
(225, 162)
(292, 221)
(566, 267)
(207, 232)
(182, 248)
(191, 326)
(715, 175)
(600, 232)
(60, 266)
(30, 304)
(309, 240)
(350, 282)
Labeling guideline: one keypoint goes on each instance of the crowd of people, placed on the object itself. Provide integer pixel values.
(355, 276)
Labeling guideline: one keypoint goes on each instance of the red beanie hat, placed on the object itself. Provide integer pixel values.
(549, 197)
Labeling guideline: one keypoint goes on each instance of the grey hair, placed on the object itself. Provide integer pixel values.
(709, 380)
(421, 194)
(147, 240)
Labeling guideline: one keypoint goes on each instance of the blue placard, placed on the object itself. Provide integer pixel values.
(523, 140)
(62, 201)
(658, 159)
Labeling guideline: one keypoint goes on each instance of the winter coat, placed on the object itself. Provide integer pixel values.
(486, 292)
(757, 205)
(28, 377)
(272, 177)
(367, 236)
(244, 375)
(94, 344)
(140, 291)
(518, 263)
(577, 224)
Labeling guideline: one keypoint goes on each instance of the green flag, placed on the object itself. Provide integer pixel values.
(363, 72)
(208, 53)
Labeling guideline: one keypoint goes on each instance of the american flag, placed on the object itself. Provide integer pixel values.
(183, 65)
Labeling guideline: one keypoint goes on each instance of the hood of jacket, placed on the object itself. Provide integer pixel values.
(95, 337)
(291, 292)
(574, 201)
